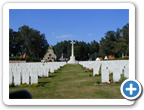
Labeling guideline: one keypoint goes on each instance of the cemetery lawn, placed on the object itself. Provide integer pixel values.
(73, 82)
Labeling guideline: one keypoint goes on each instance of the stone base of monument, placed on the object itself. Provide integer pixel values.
(72, 60)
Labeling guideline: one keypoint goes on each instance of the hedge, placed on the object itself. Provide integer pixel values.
(21, 58)
(121, 58)
(17, 58)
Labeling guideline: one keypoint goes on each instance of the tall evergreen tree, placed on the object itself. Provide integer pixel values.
(28, 41)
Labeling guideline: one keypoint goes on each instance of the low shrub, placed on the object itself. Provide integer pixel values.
(124, 58)
(98, 82)
(100, 70)
(87, 69)
(122, 78)
(97, 75)
(24, 85)
(19, 58)
(91, 70)
(34, 85)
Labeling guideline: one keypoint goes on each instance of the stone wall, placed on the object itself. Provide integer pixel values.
(16, 61)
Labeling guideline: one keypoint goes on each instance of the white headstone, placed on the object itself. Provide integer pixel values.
(17, 78)
(104, 66)
(105, 58)
(34, 77)
(10, 68)
(30, 69)
(14, 68)
(90, 66)
(127, 64)
(126, 72)
(96, 68)
(97, 59)
(10, 77)
(121, 65)
(116, 74)
(39, 71)
(55, 67)
(25, 77)
(51, 69)
(24, 69)
(105, 75)
(46, 72)
(110, 66)
(35, 69)
(19, 69)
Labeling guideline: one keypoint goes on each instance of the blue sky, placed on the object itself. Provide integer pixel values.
(69, 24)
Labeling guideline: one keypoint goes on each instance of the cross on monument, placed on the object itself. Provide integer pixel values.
(72, 57)
(72, 48)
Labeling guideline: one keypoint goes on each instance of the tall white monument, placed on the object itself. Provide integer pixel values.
(72, 57)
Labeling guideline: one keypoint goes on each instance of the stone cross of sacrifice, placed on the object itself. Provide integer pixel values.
(72, 48)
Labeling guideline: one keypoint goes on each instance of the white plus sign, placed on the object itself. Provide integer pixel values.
(131, 89)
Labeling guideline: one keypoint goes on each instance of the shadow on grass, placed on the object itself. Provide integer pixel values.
(42, 77)
(56, 71)
(43, 83)
(51, 76)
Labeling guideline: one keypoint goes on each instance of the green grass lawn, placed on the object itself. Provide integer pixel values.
(73, 82)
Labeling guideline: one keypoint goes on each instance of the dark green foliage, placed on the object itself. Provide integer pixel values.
(24, 85)
(81, 49)
(122, 78)
(113, 43)
(116, 43)
(100, 70)
(90, 75)
(121, 58)
(19, 58)
(30, 42)
(34, 85)
(27, 41)
(98, 82)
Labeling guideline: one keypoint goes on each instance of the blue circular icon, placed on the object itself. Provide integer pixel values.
(130, 89)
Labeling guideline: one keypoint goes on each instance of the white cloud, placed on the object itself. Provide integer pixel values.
(90, 34)
(53, 33)
(64, 36)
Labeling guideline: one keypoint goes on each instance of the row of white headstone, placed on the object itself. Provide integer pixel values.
(107, 67)
(25, 71)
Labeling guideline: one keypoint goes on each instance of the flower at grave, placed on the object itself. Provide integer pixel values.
(90, 69)
(86, 68)
(110, 81)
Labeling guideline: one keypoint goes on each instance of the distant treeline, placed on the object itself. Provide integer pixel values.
(113, 43)
(30, 42)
